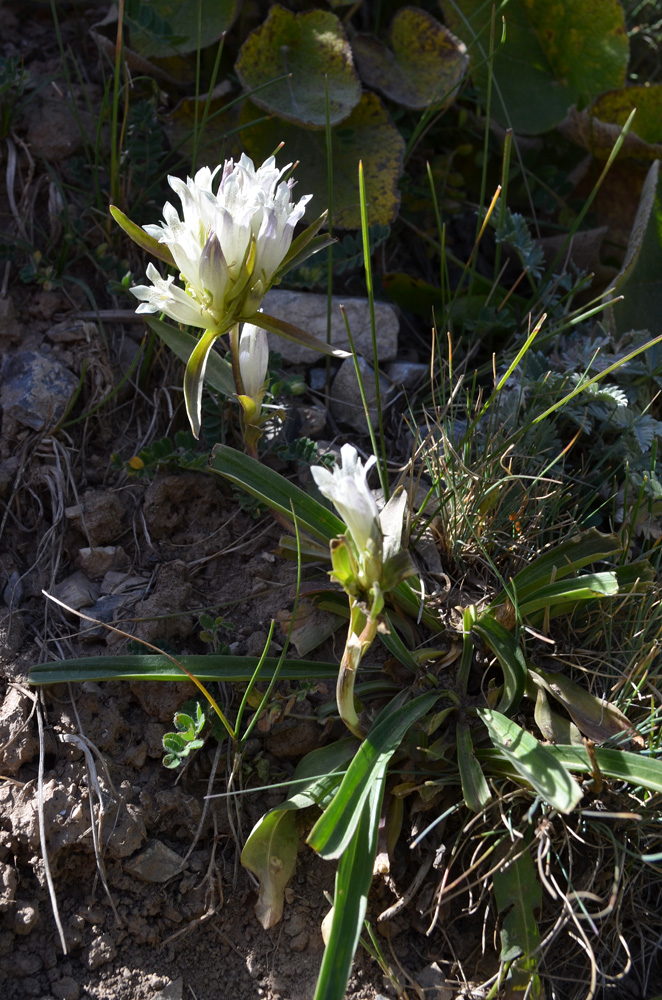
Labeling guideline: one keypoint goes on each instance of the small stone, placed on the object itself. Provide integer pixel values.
(433, 981)
(346, 402)
(96, 562)
(99, 517)
(309, 312)
(18, 740)
(101, 951)
(72, 331)
(35, 389)
(117, 582)
(66, 989)
(8, 883)
(9, 326)
(409, 374)
(173, 991)
(76, 591)
(25, 917)
(300, 941)
(156, 864)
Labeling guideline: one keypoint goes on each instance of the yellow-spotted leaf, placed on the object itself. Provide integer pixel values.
(367, 135)
(554, 55)
(425, 64)
(304, 54)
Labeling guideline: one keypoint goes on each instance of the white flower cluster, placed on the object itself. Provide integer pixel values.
(227, 246)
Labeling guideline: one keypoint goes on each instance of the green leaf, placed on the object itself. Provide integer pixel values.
(296, 334)
(554, 727)
(276, 492)
(555, 55)
(509, 653)
(143, 239)
(596, 718)
(475, 790)
(337, 825)
(270, 853)
(350, 900)
(218, 372)
(174, 742)
(312, 48)
(640, 278)
(194, 377)
(533, 762)
(557, 562)
(228, 669)
(424, 66)
(638, 770)
(367, 135)
(518, 895)
(180, 19)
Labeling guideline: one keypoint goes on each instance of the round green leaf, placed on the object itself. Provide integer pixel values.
(311, 48)
(366, 135)
(162, 28)
(556, 54)
(426, 64)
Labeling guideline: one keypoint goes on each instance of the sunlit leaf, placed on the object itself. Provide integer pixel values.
(475, 790)
(596, 718)
(508, 651)
(424, 65)
(218, 372)
(312, 48)
(143, 239)
(532, 761)
(270, 853)
(367, 135)
(555, 55)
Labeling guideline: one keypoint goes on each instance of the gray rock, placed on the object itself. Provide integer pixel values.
(156, 864)
(308, 311)
(35, 389)
(407, 373)
(96, 562)
(10, 328)
(72, 331)
(24, 918)
(76, 591)
(18, 740)
(173, 991)
(99, 517)
(346, 403)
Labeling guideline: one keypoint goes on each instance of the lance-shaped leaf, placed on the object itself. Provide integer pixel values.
(218, 372)
(271, 849)
(555, 727)
(518, 895)
(143, 239)
(194, 378)
(533, 762)
(338, 823)
(509, 653)
(295, 333)
(475, 790)
(350, 900)
(271, 853)
(598, 719)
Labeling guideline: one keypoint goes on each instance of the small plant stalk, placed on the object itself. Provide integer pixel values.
(360, 635)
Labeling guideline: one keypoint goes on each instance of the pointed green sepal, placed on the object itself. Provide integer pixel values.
(301, 243)
(194, 377)
(396, 569)
(295, 333)
(142, 238)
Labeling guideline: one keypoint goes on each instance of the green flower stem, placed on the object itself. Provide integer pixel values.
(360, 635)
(234, 354)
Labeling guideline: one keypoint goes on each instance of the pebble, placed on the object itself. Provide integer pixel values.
(409, 374)
(173, 991)
(8, 883)
(76, 591)
(101, 951)
(25, 917)
(97, 561)
(346, 403)
(157, 863)
(66, 989)
(36, 390)
(99, 517)
(309, 310)
(72, 331)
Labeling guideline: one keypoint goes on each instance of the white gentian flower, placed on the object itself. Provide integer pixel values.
(253, 361)
(227, 246)
(348, 490)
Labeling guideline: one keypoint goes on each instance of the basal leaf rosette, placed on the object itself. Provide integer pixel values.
(230, 246)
